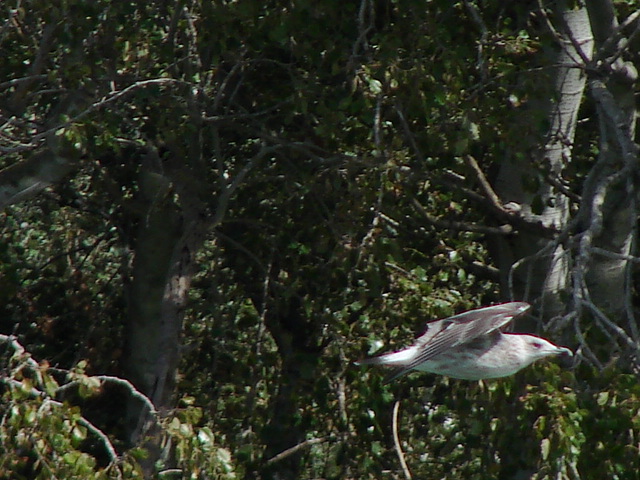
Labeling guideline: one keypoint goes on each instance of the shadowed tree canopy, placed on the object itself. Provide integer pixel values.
(212, 208)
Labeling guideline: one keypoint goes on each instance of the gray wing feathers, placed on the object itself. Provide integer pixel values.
(397, 372)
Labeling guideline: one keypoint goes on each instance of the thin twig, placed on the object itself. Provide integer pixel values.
(484, 183)
(290, 451)
(17, 81)
(603, 319)
(110, 98)
(476, 17)
(460, 226)
(584, 347)
(396, 441)
(409, 134)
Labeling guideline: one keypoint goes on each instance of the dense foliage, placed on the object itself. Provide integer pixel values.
(326, 152)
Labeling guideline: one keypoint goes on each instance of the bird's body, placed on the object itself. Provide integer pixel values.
(470, 346)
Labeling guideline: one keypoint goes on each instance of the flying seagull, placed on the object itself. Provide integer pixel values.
(471, 346)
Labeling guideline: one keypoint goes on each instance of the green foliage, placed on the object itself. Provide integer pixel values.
(43, 438)
(39, 436)
(345, 120)
(41, 441)
(197, 452)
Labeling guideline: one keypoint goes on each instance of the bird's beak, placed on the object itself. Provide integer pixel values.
(563, 351)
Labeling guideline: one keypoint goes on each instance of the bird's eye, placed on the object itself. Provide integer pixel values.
(537, 345)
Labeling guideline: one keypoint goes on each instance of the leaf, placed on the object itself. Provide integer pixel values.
(545, 446)
(206, 438)
(224, 458)
(50, 384)
(375, 86)
(602, 398)
(78, 434)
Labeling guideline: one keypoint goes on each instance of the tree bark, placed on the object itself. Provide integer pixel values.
(612, 225)
(149, 339)
(531, 266)
(169, 236)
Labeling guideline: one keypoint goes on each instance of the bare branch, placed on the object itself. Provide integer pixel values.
(601, 317)
(490, 201)
(37, 66)
(113, 97)
(488, 190)
(459, 226)
(133, 391)
(232, 186)
(396, 441)
(366, 17)
(615, 119)
(476, 17)
(614, 45)
(296, 448)
(556, 182)
(409, 134)
(615, 255)
(242, 116)
(18, 81)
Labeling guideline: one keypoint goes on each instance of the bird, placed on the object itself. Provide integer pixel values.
(471, 346)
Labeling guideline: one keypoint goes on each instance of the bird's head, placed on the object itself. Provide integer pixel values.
(539, 348)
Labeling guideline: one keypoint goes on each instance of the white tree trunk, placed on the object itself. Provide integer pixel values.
(532, 266)
(610, 199)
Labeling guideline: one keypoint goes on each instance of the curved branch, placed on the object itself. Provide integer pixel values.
(396, 441)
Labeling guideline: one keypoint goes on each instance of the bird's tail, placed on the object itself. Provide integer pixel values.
(397, 359)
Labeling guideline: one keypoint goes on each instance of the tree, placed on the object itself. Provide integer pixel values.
(588, 264)
(241, 198)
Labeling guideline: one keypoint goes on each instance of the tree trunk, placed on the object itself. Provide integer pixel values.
(532, 267)
(148, 336)
(610, 211)
(168, 238)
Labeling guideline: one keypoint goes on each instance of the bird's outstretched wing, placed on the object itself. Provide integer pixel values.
(442, 335)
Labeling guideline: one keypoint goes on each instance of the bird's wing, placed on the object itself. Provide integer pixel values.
(451, 332)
